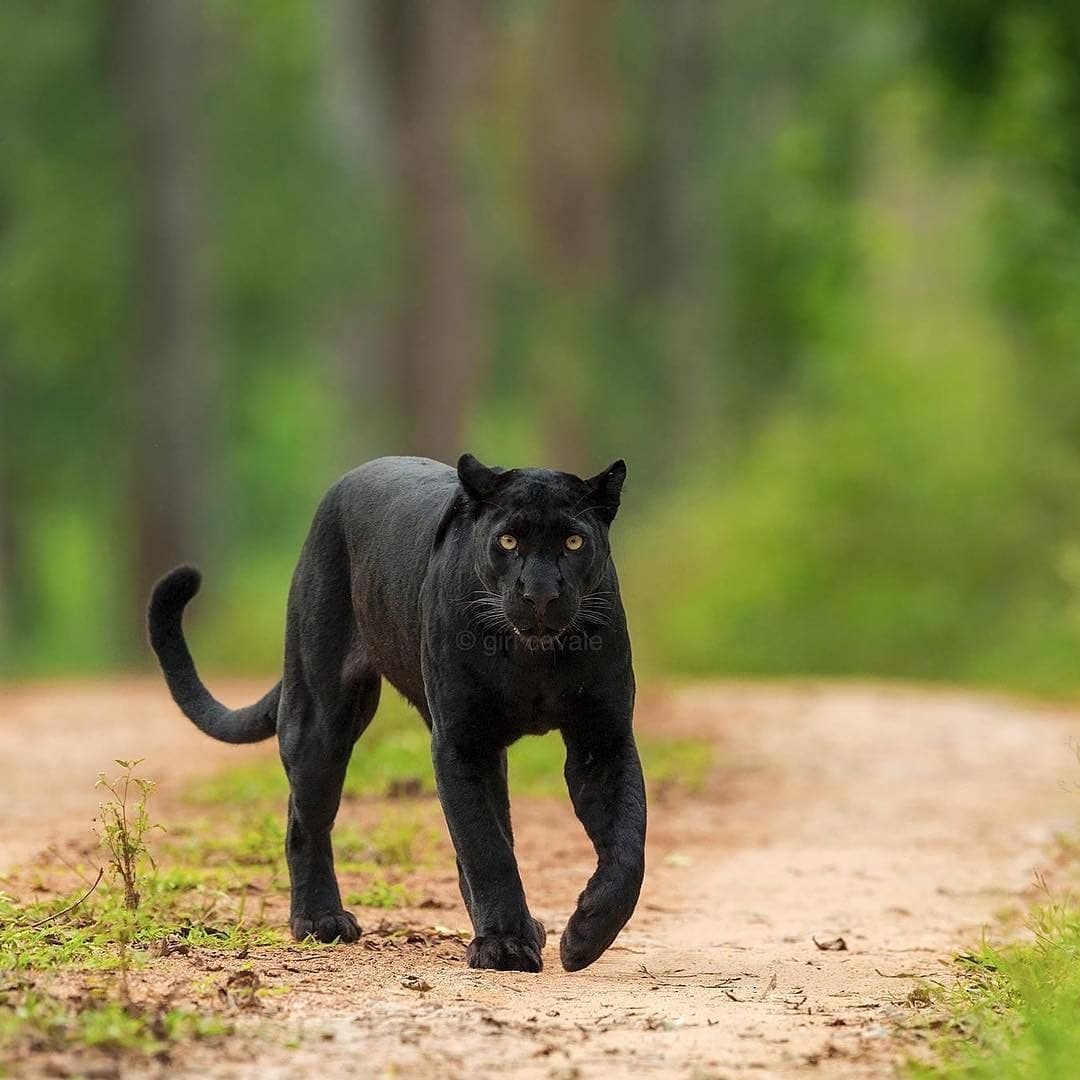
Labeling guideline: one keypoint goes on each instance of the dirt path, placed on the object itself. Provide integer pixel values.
(55, 739)
(899, 820)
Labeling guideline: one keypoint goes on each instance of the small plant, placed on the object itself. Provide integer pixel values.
(72, 965)
(124, 827)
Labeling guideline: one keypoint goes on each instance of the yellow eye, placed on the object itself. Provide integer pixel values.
(507, 542)
(573, 542)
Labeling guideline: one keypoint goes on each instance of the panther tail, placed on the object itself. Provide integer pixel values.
(251, 724)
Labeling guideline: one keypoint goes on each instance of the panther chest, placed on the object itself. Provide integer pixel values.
(537, 708)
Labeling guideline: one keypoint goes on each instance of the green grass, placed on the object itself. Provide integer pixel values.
(1015, 1012)
(395, 753)
(381, 894)
(249, 842)
(203, 887)
(41, 1021)
(116, 920)
(102, 935)
(101, 945)
(254, 839)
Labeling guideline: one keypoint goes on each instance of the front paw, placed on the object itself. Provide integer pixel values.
(329, 926)
(502, 952)
(587, 935)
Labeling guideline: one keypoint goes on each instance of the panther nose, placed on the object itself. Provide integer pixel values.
(540, 597)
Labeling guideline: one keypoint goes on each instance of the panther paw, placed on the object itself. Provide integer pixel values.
(330, 926)
(587, 935)
(501, 952)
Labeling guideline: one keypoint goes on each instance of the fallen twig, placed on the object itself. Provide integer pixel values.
(70, 907)
(835, 945)
(905, 974)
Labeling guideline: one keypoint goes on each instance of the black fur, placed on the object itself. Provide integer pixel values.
(404, 576)
(252, 724)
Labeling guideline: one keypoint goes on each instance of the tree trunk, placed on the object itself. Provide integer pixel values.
(359, 134)
(690, 317)
(160, 84)
(8, 569)
(433, 60)
(573, 147)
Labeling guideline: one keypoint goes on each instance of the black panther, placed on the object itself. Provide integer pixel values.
(488, 597)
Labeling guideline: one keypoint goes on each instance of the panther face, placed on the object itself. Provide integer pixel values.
(540, 546)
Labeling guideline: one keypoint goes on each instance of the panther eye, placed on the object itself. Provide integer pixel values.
(507, 542)
(573, 542)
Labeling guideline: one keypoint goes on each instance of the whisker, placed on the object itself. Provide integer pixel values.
(594, 607)
(596, 619)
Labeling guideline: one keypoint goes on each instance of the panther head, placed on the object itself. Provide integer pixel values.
(541, 546)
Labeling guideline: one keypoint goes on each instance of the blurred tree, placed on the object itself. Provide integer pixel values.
(360, 131)
(1009, 75)
(574, 128)
(691, 303)
(64, 307)
(434, 58)
(160, 48)
(9, 575)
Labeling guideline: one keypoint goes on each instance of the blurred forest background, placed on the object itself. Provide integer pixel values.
(812, 268)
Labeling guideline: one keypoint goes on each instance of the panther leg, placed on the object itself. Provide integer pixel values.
(603, 775)
(330, 693)
(472, 789)
(463, 885)
(463, 881)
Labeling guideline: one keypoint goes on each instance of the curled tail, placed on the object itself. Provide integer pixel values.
(251, 724)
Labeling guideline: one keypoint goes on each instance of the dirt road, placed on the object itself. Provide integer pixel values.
(901, 821)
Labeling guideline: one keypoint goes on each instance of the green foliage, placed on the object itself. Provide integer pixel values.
(902, 511)
(1015, 1012)
(835, 331)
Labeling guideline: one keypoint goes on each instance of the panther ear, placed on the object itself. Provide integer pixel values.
(604, 490)
(478, 480)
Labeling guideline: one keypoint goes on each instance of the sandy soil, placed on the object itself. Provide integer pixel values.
(900, 821)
